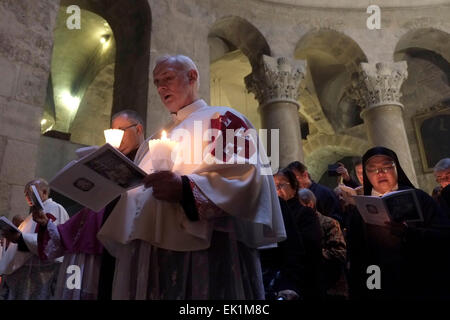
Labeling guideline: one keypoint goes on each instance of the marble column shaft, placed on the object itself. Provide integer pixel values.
(383, 113)
(276, 87)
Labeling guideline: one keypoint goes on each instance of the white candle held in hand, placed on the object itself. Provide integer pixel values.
(161, 152)
(114, 137)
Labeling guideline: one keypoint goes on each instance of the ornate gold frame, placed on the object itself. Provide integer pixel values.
(418, 121)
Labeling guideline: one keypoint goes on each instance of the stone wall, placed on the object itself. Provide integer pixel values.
(426, 87)
(26, 39)
(53, 155)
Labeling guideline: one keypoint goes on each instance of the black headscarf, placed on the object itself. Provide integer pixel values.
(402, 179)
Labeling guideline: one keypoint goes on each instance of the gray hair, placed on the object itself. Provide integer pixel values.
(131, 114)
(306, 196)
(442, 165)
(185, 62)
(40, 183)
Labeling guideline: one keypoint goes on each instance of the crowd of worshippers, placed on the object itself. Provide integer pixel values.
(329, 247)
(226, 231)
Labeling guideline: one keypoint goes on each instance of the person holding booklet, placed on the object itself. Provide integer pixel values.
(25, 277)
(412, 256)
(76, 239)
(203, 243)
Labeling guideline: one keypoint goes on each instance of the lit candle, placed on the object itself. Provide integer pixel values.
(161, 152)
(114, 137)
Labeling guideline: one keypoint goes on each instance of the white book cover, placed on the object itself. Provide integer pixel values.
(98, 178)
(36, 198)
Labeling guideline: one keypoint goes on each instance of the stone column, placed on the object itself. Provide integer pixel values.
(26, 42)
(276, 87)
(380, 85)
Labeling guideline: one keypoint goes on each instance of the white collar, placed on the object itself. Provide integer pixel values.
(377, 194)
(184, 112)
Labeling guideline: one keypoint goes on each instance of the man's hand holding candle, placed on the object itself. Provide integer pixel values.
(166, 185)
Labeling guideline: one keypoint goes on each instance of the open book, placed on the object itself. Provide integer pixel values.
(7, 226)
(395, 206)
(98, 178)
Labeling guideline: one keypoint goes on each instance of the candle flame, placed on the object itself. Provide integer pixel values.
(164, 135)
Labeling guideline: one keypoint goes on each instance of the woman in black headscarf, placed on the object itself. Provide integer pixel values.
(411, 256)
(307, 223)
(390, 160)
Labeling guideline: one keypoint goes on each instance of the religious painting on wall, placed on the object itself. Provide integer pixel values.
(433, 136)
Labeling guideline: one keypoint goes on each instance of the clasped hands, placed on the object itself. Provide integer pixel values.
(166, 185)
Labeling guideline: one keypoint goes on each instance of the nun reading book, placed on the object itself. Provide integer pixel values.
(412, 254)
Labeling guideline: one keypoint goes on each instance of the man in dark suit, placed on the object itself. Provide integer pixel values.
(327, 202)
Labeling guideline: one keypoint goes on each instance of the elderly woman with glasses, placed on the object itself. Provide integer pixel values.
(308, 225)
(412, 257)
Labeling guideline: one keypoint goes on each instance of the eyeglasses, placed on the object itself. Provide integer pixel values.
(281, 185)
(130, 126)
(382, 169)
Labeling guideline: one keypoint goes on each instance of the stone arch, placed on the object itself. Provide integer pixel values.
(321, 150)
(130, 28)
(426, 90)
(238, 33)
(430, 39)
(333, 58)
(78, 57)
(427, 53)
(235, 50)
(130, 22)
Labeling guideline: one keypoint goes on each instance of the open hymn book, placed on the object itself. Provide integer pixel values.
(397, 206)
(98, 177)
(7, 226)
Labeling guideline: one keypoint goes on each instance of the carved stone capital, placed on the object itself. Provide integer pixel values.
(276, 80)
(356, 92)
(380, 83)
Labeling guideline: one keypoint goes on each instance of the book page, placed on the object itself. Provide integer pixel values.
(403, 206)
(112, 167)
(372, 210)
